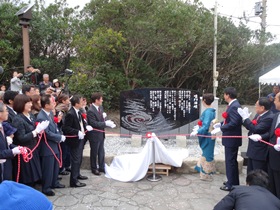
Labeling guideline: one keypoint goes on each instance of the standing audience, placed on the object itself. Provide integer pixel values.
(16, 83)
(6, 153)
(45, 83)
(231, 126)
(75, 125)
(49, 151)
(271, 97)
(257, 151)
(26, 136)
(9, 97)
(273, 153)
(206, 164)
(96, 119)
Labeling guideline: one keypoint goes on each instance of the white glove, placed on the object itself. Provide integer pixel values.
(216, 130)
(244, 113)
(110, 123)
(194, 133)
(89, 128)
(9, 140)
(63, 138)
(217, 125)
(255, 137)
(277, 147)
(2, 161)
(16, 150)
(195, 128)
(81, 135)
(113, 126)
(42, 126)
(104, 115)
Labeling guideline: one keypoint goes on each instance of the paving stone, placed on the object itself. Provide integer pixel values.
(177, 191)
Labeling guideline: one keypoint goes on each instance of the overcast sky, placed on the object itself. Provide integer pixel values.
(234, 8)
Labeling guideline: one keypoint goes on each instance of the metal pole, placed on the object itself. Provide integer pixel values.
(215, 75)
(154, 177)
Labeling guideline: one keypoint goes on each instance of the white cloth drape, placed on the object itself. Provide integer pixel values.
(133, 167)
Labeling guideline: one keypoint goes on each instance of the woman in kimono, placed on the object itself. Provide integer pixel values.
(206, 164)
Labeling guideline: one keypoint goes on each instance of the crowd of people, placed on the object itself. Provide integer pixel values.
(54, 127)
(43, 133)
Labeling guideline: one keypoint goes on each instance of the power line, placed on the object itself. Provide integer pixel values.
(251, 21)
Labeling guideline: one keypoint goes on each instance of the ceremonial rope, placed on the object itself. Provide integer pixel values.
(173, 135)
(27, 153)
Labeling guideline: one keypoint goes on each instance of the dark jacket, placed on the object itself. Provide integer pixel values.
(258, 150)
(249, 197)
(72, 127)
(96, 120)
(11, 116)
(5, 153)
(52, 134)
(273, 155)
(232, 126)
(24, 136)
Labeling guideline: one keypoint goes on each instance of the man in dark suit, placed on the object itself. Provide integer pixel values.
(9, 97)
(49, 151)
(6, 154)
(273, 153)
(75, 126)
(253, 196)
(257, 151)
(230, 127)
(95, 118)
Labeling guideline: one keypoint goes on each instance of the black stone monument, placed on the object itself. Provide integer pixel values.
(159, 110)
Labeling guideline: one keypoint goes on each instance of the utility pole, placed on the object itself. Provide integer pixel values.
(215, 73)
(263, 16)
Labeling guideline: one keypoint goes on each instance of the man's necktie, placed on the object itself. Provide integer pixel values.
(79, 116)
(81, 122)
(2, 131)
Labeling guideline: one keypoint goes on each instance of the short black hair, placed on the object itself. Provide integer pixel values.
(231, 91)
(258, 177)
(45, 99)
(26, 88)
(9, 95)
(75, 99)
(264, 101)
(208, 98)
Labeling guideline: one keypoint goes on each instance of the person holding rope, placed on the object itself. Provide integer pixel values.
(273, 152)
(74, 128)
(6, 153)
(49, 147)
(206, 164)
(231, 126)
(96, 118)
(26, 136)
(257, 151)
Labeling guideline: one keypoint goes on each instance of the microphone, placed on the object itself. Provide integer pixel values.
(68, 71)
(1, 70)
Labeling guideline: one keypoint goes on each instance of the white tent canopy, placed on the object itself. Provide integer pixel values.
(270, 78)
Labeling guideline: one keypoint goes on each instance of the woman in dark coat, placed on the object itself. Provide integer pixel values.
(26, 136)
